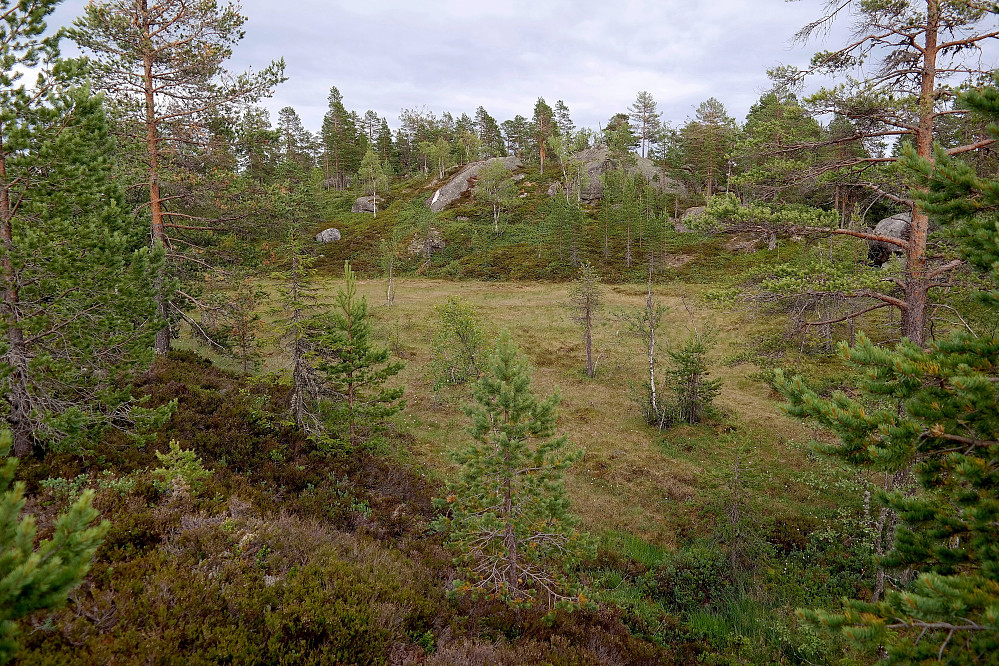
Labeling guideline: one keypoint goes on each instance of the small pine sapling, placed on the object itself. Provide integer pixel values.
(508, 510)
(354, 370)
(38, 576)
(181, 467)
(585, 299)
(688, 377)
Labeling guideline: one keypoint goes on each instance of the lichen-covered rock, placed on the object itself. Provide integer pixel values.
(365, 204)
(896, 226)
(464, 180)
(328, 236)
(427, 245)
(597, 161)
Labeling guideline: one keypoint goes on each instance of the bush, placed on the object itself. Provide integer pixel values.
(455, 343)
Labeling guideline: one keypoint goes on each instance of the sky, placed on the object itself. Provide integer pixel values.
(451, 55)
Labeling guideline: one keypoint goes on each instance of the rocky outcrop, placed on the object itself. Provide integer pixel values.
(328, 236)
(597, 161)
(896, 226)
(365, 204)
(427, 245)
(465, 179)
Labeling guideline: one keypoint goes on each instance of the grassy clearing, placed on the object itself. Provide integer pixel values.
(663, 488)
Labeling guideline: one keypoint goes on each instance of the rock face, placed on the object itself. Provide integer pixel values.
(465, 179)
(365, 205)
(427, 245)
(896, 226)
(328, 236)
(597, 161)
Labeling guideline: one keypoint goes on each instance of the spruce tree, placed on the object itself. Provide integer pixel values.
(354, 370)
(76, 310)
(935, 411)
(509, 514)
(36, 576)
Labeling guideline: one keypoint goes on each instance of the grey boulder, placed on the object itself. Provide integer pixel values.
(365, 204)
(328, 236)
(597, 161)
(464, 180)
(896, 226)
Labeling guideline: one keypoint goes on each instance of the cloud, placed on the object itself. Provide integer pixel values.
(451, 55)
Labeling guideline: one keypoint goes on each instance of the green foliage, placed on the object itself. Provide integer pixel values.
(77, 310)
(455, 343)
(181, 465)
(231, 319)
(372, 175)
(933, 410)
(495, 186)
(687, 378)
(509, 518)
(37, 576)
(354, 370)
(585, 298)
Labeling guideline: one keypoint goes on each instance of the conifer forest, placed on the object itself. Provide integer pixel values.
(447, 388)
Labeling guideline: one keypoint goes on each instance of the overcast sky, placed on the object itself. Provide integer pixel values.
(451, 55)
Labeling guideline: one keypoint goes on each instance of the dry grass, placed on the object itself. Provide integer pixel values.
(662, 487)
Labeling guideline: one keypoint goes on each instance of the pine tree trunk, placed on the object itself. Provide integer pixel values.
(650, 305)
(627, 251)
(159, 239)
(510, 536)
(916, 281)
(590, 370)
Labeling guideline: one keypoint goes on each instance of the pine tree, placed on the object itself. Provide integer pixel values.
(77, 313)
(645, 120)
(708, 141)
(34, 576)
(902, 64)
(563, 121)
(934, 411)
(354, 370)
(160, 64)
(619, 138)
(297, 143)
(585, 300)
(341, 153)
(256, 146)
(542, 127)
(293, 200)
(516, 133)
(693, 392)
(489, 134)
(509, 514)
